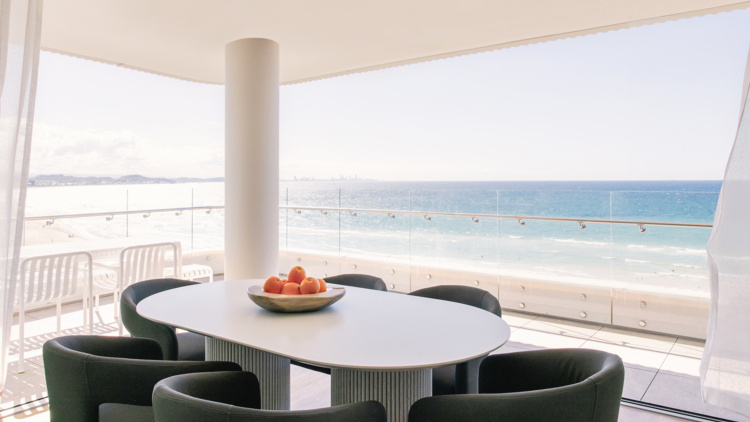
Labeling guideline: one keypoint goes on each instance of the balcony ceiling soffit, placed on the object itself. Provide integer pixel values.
(320, 39)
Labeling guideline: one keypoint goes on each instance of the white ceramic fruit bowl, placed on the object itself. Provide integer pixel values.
(295, 303)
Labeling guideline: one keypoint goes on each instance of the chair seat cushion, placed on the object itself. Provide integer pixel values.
(444, 380)
(115, 412)
(191, 346)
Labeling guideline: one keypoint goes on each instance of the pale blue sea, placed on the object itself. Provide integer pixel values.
(662, 255)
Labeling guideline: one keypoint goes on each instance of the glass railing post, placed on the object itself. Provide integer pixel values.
(410, 243)
(192, 231)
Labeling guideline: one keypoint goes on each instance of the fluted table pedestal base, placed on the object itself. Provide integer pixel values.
(272, 370)
(397, 390)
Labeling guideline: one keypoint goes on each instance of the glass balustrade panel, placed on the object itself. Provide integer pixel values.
(376, 244)
(657, 255)
(312, 236)
(162, 226)
(64, 200)
(454, 250)
(207, 227)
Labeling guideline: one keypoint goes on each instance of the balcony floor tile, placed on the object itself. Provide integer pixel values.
(632, 356)
(684, 393)
(563, 327)
(688, 348)
(532, 339)
(639, 340)
(637, 382)
(681, 366)
(516, 320)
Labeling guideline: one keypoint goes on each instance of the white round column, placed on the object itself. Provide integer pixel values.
(251, 187)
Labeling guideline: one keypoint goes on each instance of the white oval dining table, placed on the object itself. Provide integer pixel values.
(379, 345)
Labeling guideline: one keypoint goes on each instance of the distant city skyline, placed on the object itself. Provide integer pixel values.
(657, 102)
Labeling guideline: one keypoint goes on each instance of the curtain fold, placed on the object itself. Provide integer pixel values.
(725, 367)
(20, 35)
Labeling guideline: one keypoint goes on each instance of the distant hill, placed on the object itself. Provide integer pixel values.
(131, 179)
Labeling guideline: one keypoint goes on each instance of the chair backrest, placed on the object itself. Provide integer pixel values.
(146, 262)
(49, 277)
(139, 326)
(358, 280)
(471, 296)
(557, 384)
(83, 372)
(222, 396)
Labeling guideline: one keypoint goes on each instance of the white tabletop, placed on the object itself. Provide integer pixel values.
(366, 329)
(92, 246)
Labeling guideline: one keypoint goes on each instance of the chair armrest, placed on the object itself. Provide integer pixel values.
(138, 326)
(129, 381)
(565, 404)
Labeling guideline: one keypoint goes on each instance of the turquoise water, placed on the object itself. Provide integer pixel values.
(661, 256)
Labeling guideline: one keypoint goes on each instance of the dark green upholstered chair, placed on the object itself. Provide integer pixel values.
(182, 346)
(109, 379)
(363, 281)
(572, 385)
(235, 396)
(460, 378)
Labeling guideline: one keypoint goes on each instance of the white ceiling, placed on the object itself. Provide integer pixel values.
(324, 38)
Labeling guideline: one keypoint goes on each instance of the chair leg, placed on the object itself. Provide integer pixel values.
(119, 320)
(97, 302)
(21, 314)
(59, 317)
(84, 309)
(84, 305)
(116, 298)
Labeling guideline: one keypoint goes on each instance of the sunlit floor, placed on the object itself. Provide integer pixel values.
(659, 369)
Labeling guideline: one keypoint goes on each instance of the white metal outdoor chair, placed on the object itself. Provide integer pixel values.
(53, 277)
(145, 262)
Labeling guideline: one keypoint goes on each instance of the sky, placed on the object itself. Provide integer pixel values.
(658, 102)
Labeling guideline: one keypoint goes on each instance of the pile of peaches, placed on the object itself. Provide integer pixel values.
(296, 283)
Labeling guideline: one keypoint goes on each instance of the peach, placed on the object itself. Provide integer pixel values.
(297, 274)
(323, 286)
(309, 286)
(273, 285)
(290, 289)
(285, 281)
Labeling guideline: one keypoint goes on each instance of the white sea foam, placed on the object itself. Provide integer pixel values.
(516, 237)
(636, 260)
(637, 246)
(686, 266)
(584, 242)
(688, 251)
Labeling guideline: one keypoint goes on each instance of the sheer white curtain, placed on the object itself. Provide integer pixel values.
(725, 368)
(20, 33)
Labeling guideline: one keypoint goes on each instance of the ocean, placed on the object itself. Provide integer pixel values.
(662, 256)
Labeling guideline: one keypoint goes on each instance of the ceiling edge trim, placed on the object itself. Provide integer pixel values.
(566, 35)
(126, 66)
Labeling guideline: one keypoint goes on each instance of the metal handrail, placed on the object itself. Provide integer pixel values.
(391, 214)
(146, 213)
